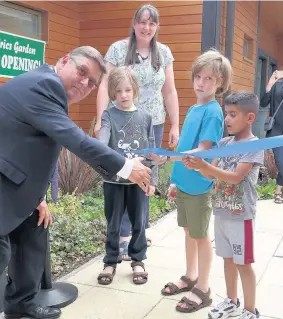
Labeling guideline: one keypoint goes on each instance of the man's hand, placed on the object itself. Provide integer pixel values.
(44, 215)
(194, 162)
(140, 174)
(97, 128)
(173, 136)
(150, 190)
(172, 192)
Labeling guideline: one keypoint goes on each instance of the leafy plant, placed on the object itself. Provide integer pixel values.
(266, 191)
(164, 179)
(270, 165)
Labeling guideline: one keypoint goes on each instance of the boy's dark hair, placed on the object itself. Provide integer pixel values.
(247, 101)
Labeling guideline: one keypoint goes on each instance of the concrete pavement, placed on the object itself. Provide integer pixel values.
(166, 262)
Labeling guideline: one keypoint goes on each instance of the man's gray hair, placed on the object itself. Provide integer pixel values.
(90, 53)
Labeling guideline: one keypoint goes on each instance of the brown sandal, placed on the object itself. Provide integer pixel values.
(106, 279)
(174, 289)
(136, 275)
(193, 306)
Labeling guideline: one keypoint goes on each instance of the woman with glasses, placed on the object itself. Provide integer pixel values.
(152, 62)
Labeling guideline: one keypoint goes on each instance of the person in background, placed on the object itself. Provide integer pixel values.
(273, 97)
(153, 64)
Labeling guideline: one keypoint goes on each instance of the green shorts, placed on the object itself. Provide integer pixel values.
(194, 212)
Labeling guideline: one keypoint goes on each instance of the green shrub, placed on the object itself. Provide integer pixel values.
(164, 179)
(78, 233)
(267, 190)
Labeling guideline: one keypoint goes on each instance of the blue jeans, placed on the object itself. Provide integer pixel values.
(126, 226)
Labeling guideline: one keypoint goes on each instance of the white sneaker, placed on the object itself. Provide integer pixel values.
(225, 309)
(249, 315)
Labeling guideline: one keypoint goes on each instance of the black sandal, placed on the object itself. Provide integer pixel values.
(106, 278)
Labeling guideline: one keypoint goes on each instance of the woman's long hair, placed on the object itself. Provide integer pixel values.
(154, 54)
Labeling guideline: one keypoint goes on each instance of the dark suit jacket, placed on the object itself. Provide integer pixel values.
(34, 124)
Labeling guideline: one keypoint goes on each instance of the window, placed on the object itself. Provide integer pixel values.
(20, 20)
(248, 48)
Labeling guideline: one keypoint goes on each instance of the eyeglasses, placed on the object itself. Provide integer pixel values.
(84, 72)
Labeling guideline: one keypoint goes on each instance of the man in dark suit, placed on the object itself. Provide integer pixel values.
(34, 124)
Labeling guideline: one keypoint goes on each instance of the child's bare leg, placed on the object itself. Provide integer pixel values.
(231, 277)
(248, 279)
(191, 261)
(205, 255)
(191, 256)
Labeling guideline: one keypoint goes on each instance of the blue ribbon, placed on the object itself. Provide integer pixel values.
(218, 152)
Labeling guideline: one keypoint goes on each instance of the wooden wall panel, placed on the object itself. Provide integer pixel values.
(246, 13)
(223, 25)
(180, 28)
(269, 42)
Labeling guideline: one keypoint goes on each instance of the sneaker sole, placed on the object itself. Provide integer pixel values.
(227, 316)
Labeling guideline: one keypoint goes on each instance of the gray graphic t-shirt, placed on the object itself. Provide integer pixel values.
(126, 131)
(150, 80)
(237, 201)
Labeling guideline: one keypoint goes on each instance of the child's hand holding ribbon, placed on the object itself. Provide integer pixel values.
(194, 162)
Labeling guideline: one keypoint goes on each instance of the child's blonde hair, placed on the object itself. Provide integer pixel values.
(119, 74)
(220, 65)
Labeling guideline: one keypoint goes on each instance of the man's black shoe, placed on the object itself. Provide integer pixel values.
(37, 312)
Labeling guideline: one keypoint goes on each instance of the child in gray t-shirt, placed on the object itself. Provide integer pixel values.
(125, 128)
(234, 202)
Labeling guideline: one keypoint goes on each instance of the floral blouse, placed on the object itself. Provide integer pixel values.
(151, 81)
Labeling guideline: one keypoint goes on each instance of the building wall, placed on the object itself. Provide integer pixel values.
(268, 41)
(223, 26)
(104, 23)
(280, 50)
(246, 16)
(62, 19)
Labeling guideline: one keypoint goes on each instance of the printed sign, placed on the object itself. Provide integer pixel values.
(19, 54)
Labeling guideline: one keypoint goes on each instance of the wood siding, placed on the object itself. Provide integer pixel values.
(271, 43)
(246, 16)
(223, 26)
(180, 28)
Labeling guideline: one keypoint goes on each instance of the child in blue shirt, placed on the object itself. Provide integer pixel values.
(202, 129)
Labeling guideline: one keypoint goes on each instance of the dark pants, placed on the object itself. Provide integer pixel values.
(117, 198)
(24, 250)
(278, 154)
(126, 225)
